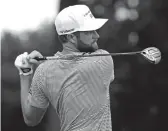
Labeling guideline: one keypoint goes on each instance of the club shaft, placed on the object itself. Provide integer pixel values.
(88, 55)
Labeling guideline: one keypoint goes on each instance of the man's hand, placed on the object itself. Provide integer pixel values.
(25, 61)
(32, 55)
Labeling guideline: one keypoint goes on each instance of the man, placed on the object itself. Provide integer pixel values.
(78, 88)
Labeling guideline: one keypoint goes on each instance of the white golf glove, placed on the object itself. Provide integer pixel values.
(22, 64)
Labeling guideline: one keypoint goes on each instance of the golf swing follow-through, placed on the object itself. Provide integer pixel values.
(78, 89)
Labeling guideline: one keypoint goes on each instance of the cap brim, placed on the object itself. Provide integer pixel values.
(93, 24)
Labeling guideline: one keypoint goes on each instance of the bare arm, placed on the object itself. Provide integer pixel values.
(33, 100)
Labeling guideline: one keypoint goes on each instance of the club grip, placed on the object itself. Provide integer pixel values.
(40, 59)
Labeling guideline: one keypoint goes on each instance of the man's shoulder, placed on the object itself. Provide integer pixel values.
(101, 51)
(46, 65)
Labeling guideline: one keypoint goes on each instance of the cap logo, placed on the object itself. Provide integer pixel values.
(66, 31)
(88, 13)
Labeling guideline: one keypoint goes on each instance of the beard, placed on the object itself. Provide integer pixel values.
(82, 47)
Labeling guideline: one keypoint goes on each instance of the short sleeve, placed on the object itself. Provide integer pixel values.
(107, 66)
(37, 96)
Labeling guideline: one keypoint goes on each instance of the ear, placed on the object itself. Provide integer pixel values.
(72, 38)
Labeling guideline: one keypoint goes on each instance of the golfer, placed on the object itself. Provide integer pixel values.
(78, 88)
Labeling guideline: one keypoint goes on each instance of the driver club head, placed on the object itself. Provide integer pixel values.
(152, 54)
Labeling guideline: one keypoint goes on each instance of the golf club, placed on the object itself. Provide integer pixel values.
(152, 54)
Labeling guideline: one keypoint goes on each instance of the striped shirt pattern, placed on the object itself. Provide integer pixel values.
(78, 89)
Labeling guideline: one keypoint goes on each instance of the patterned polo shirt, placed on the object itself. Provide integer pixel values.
(78, 89)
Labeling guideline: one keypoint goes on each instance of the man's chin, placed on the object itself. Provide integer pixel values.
(95, 46)
(91, 48)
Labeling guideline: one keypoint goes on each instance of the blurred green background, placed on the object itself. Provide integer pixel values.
(139, 91)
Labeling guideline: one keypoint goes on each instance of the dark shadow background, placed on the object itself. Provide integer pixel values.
(139, 91)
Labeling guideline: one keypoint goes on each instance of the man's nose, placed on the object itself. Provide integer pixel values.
(95, 35)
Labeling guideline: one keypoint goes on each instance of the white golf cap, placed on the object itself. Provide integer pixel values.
(77, 18)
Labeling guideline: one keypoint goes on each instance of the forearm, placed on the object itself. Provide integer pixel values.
(31, 113)
(25, 82)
